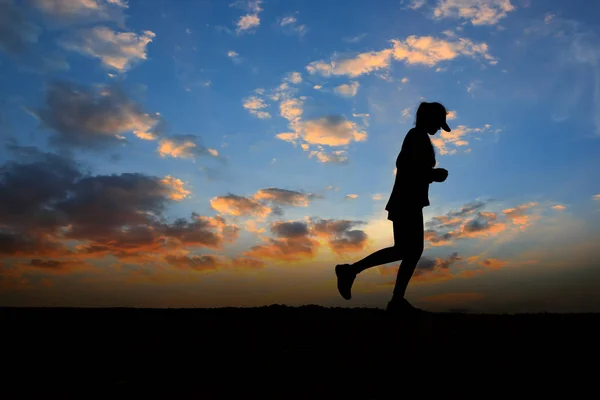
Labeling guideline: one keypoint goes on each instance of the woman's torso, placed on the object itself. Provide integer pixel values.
(413, 166)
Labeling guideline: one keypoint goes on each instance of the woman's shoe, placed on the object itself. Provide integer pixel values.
(345, 279)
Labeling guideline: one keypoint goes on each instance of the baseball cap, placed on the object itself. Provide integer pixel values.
(439, 109)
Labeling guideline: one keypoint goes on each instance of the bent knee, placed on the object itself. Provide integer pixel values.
(398, 252)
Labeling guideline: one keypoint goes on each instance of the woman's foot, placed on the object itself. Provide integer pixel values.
(345, 279)
(401, 306)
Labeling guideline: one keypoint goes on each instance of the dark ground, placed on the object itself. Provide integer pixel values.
(294, 352)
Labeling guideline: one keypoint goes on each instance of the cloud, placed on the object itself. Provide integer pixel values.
(63, 212)
(178, 191)
(351, 196)
(292, 243)
(416, 4)
(470, 222)
(596, 197)
(288, 21)
(56, 266)
(478, 12)
(291, 109)
(232, 204)
(250, 21)
(429, 51)
(348, 90)
(82, 10)
(559, 207)
(336, 156)
(378, 196)
(264, 202)
(235, 57)
(414, 50)
(295, 77)
(458, 138)
(254, 105)
(208, 262)
(16, 32)
(428, 269)
(354, 39)
(184, 146)
(340, 235)
(290, 25)
(296, 240)
(117, 50)
(247, 263)
(330, 130)
(363, 63)
(93, 118)
(284, 197)
(519, 215)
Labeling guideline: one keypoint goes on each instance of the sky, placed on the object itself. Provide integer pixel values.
(217, 154)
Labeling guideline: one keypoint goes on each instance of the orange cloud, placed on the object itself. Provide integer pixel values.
(424, 50)
(178, 192)
(559, 207)
(254, 105)
(285, 249)
(518, 215)
(348, 90)
(239, 206)
(183, 146)
(331, 131)
(479, 12)
(457, 137)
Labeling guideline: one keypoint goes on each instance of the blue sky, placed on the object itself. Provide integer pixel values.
(270, 129)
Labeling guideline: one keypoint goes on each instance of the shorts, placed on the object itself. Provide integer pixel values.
(398, 215)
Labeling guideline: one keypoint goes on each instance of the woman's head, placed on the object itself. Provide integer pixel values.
(431, 117)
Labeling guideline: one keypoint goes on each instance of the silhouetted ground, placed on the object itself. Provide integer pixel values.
(294, 352)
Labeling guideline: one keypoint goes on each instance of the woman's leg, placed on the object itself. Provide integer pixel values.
(383, 256)
(413, 242)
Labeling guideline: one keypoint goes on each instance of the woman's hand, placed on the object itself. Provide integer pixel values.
(440, 174)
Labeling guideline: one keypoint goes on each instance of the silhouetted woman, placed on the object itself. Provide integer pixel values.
(415, 171)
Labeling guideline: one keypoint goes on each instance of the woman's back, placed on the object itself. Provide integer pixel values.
(413, 175)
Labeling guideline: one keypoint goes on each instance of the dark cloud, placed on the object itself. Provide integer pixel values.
(446, 263)
(426, 264)
(340, 235)
(60, 13)
(16, 32)
(198, 263)
(467, 209)
(80, 117)
(482, 222)
(333, 226)
(290, 229)
(295, 240)
(350, 241)
(46, 200)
